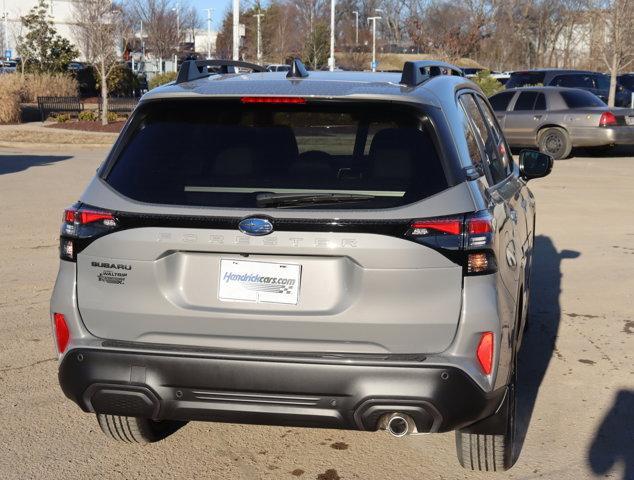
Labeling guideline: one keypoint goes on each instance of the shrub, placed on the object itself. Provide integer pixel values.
(122, 82)
(112, 117)
(48, 85)
(61, 117)
(87, 116)
(10, 91)
(487, 83)
(161, 79)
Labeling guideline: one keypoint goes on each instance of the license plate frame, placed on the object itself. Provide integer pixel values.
(255, 281)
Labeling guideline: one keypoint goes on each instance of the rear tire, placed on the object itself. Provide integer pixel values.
(136, 429)
(555, 142)
(491, 452)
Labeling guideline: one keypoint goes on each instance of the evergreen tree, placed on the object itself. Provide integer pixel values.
(41, 48)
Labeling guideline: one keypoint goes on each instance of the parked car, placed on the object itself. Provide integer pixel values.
(597, 83)
(539, 77)
(627, 81)
(556, 119)
(8, 66)
(278, 68)
(329, 249)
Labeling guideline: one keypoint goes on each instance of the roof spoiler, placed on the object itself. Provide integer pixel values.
(194, 69)
(415, 73)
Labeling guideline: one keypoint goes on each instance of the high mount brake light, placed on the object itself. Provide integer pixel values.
(292, 100)
(607, 119)
(79, 226)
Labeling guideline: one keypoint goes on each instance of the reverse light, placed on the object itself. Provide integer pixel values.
(62, 334)
(484, 352)
(293, 100)
(607, 119)
(478, 262)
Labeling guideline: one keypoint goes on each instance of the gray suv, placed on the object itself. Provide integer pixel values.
(340, 250)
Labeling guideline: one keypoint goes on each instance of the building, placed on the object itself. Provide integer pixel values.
(61, 12)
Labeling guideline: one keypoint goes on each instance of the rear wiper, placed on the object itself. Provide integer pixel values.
(300, 199)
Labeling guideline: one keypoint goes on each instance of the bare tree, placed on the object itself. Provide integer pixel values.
(617, 50)
(98, 26)
(160, 25)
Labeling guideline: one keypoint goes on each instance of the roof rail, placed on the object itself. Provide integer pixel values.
(194, 69)
(298, 70)
(415, 73)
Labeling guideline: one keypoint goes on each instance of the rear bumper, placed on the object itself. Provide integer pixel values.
(598, 136)
(272, 391)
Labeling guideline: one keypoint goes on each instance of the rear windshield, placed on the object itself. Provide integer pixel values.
(525, 79)
(227, 154)
(627, 81)
(581, 99)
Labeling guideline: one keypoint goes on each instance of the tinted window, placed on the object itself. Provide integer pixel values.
(526, 101)
(602, 82)
(581, 99)
(573, 81)
(500, 102)
(223, 153)
(490, 141)
(525, 79)
(627, 81)
(540, 102)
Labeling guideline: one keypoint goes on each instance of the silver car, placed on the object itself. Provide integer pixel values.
(556, 119)
(340, 250)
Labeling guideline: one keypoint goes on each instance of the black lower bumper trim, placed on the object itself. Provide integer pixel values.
(168, 386)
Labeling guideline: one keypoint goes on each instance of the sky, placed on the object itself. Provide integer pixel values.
(219, 6)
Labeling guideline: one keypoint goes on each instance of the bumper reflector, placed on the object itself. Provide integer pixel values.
(62, 335)
(484, 352)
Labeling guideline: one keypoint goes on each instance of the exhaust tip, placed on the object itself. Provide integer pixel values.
(397, 424)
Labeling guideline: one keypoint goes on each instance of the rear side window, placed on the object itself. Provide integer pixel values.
(500, 102)
(225, 153)
(525, 79)
(540, 102)
(573, 81)
(581, 99)
(526, 101)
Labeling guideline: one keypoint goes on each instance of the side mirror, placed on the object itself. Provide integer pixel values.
(534, 164)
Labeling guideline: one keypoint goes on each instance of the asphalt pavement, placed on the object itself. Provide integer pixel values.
(577, 394)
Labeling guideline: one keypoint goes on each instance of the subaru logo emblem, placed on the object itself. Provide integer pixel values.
(255, 226)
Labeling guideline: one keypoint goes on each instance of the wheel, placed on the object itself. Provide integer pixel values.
(136, 429)
(492, 452)
(555, 142)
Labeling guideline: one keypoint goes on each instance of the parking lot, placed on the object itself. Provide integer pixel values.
(577, 374)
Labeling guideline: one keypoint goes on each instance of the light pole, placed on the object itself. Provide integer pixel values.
(5, 17)
(236, 29)
(259, 16)
(331, 61)
(142, 42)
(356, 27)
(373, 20)
(208, 10)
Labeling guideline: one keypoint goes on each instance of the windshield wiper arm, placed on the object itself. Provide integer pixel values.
(298, 199)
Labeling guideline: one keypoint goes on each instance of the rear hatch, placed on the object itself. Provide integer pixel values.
(279, 224)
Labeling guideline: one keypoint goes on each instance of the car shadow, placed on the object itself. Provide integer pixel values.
(17, 163)
(539, 343)
(614, 440)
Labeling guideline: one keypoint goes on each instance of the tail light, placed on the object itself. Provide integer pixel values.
(292, 100)
(62, 334)
(465, 239)
(80, 225)
(484, 352)
(607, 119)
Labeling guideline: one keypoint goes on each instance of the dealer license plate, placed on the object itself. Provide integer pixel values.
(259, 282)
